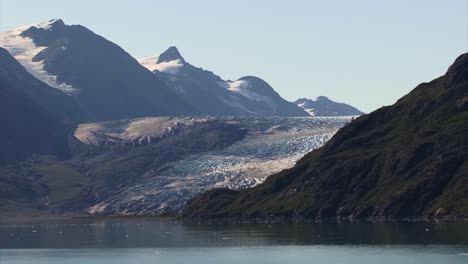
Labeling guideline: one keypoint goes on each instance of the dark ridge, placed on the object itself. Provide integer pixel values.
(407, 160)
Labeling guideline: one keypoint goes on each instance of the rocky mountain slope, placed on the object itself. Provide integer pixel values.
(248, 96)
(108, 84)
(402, 161)
(35, 118)
(103, 79)
(322, 106)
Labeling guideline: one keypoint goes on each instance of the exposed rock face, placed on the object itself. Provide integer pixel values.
(462, 103)
(404, 160)
(170, 54)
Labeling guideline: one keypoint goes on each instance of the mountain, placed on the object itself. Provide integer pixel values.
(322, 106)
(104, 80)
(36, 118)
(407, 160)
(248, 96)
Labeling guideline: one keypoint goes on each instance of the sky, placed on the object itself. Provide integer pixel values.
(367, 53)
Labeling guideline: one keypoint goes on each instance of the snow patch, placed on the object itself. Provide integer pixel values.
(45, 25)
(310, 111)
(242, 87)
(23, 50)
(171, 67)
(141, 130)
(98, 208)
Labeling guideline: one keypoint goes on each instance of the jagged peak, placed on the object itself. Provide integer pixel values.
(171, 54)
(169, 61)
(49, 25)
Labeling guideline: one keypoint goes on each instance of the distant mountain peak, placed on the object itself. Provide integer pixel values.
(171, 54)
(49, 25)
(56, 22)
(323, 106)
(170, 61)
(322, 98)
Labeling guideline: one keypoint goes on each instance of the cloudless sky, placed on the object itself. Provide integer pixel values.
(367, 53)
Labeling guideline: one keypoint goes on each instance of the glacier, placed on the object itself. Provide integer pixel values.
(272, 144)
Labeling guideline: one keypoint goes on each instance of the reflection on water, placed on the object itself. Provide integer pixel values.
(135, 233)
(149, 241)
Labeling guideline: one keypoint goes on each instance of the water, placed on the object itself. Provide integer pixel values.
(150, 241)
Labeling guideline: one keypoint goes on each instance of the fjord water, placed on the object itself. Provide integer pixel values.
(150, 241)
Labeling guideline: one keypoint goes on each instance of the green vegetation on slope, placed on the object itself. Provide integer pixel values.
(404, 160)
(32, 186)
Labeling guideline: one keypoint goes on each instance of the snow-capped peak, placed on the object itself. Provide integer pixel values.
(23, 49)
(169, 61)
(49, 24)
(242, 87)
(323, 106)
(171, 54)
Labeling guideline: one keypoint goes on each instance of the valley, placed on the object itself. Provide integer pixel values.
(152, 166)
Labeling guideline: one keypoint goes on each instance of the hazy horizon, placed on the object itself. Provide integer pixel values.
(362, 53)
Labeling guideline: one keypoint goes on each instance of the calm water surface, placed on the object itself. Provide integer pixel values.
(150, 241)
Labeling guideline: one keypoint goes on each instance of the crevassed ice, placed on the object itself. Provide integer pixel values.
(271, 145)
(23, 50)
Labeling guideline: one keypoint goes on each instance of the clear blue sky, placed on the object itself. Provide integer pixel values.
(364, 52)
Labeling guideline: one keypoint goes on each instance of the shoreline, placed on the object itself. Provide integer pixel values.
(12, 219)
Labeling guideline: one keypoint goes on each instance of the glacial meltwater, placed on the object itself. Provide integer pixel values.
(155, 241)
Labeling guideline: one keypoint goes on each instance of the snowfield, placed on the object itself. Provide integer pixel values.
(271, 145)
(24, 50)
(141, 130)
(171, 67)
(242, 87)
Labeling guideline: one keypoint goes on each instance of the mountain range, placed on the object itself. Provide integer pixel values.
(248, 96)
(85, 122)
(107, 83)
(90, 129)
(408, 160)
(75, 75)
